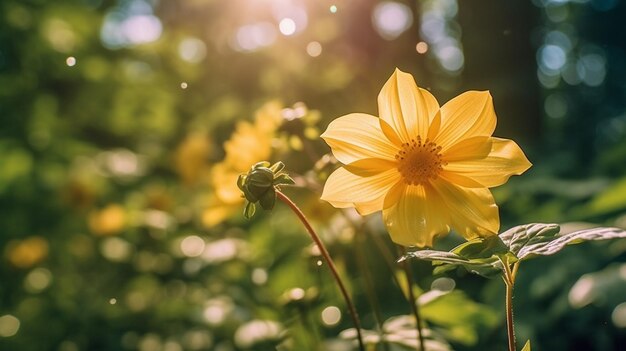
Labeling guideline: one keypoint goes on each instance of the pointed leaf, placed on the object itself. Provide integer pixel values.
(522, 235)
(486, 267)
(277, 167)
(482, 248)
(249, 210)
(526, 346)
(264, 164)
(552, 244)
(283, 179)
(241, 181)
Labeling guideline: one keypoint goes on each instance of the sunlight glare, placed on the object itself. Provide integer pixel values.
(287, 26)
(392, 19)
(314, 49)
(331, 315)
(9, 325)
(192, 246)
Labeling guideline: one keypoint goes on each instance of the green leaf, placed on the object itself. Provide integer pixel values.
(485, 256)
(277, 167)
(482, 248)
(549, 245)
(526, 346)
(249, 210)
(518, 237)
(241, 181)
(264, 164)
(483, 266)
(611, 199)
(283, 179)
(461, 317)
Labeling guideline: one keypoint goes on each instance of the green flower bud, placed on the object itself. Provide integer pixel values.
(260, 184)
(259, 181)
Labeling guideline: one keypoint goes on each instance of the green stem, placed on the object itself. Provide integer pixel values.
(408, 271)
(329, 262)
(509, 282)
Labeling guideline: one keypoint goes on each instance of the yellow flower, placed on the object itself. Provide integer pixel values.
(28, 252)
(428, 168)
(109, 220)
(191, 157)
(249, 143)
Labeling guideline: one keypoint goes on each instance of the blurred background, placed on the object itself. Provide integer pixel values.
(126, 122)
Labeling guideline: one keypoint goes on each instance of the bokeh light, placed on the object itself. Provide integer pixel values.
(192, 50)
(392, 19)
(314, 49)
(70, 61)
(9, 325)
(192, 246)
(331, 315)
(287, 26)
(421, 47)
(253, 37)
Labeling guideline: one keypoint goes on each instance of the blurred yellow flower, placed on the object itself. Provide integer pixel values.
(191, 156)
(109, 220)
(28, 252)
(249, 143)
(428, 168)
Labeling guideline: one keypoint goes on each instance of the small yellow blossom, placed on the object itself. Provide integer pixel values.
(28, 252)
(249, 143)
(109, 220)
(191, 156)
(428, 168)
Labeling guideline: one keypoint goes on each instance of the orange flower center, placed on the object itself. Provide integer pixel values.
(419, 161)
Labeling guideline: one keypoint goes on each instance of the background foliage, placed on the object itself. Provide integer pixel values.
(117, 227)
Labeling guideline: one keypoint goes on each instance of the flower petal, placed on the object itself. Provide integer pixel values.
(363, 208)
(366, 208)
(357, 136)
(224, 183)
(415, 215)
(473, 211)
(467, 115)
(488, 161)
(405, 107)
(218, 211)
(344, 186)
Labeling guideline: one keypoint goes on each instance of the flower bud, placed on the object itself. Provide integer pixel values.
(259, 185)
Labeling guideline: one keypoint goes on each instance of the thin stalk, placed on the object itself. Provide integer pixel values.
(408, 271)
(509, 316)
(329, 262)
(509, 282)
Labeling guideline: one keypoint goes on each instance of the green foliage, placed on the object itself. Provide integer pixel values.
(486, 256)
(460, 317)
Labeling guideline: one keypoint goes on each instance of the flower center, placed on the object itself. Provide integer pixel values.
(419, 161)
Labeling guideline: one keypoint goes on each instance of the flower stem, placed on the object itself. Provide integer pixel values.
(509, 316)
(509, 282)
(413, 302)
(329, 262)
